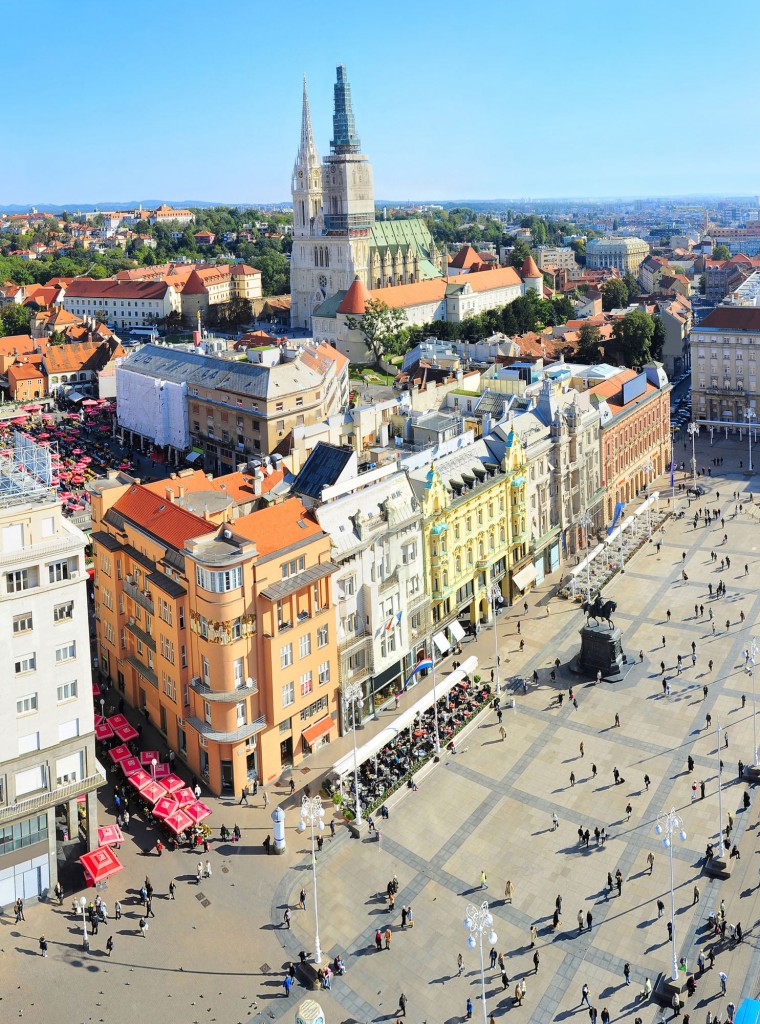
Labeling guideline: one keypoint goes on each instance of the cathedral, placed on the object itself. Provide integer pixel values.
(335, 236)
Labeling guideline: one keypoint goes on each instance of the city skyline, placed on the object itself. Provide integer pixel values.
(559, 109)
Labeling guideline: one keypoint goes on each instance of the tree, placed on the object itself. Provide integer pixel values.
(56, 338)
(702, 284)
(658, 338)
(579, 248)
(519, 254)
(589, 350)
(101, 316)
(632, 286)
(15, 319)
(380, 326)
(614, 294)
(720, 252)
(633, 338)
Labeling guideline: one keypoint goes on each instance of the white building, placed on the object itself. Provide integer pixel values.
(47, 744)
(124, 303)
(623, 253)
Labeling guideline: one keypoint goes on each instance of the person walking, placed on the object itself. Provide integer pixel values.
(468, 1008)
(695, 899)
(536, 961)
(533, 936)
(20, 910)
(619, 882)
(43, 946)
(117, 906)
(172, 890)
(287, 984)
(143, 926)
(198, 872)
(584, 996)
(388, 936)
(302, 899)
(555, 821)
(670, 931)
(627, 973)
(483, 880)
(244, 796)
(572, 778)
(402, 1005)
(493, 956)
(650, 861)
(109, 945)
(589, 919)
(628, 810)
(580, 921)
(286, 918)
(723, 977)
(460, 965)
(581, 748)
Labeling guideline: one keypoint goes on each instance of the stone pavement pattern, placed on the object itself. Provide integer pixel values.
(486, 808)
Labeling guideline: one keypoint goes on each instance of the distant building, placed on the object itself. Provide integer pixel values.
(724, 379)
(124, 304)
(559, 257)
(26, 380)
(625, 254)
(168, 215)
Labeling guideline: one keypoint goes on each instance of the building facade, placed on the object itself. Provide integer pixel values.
(724, 358)
(124, 304)
(49, 774)
(625, 254)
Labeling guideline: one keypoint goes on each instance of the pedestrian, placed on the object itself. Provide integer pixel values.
(584, 996)
(723, 981)
(59, 893)
(402, 1005)
(286, 918)
(502, 734)
(580, 921)
(536, 961)
(302, 899)
(109, 945)
(670, 931)
(589, 919)
(388, 936)
(266, 799)
(572, 778)
(660, 908)
(627, 973)
(493, 957)
(198, 872)
(504, 979)
(695, 900)
(508, 891)
(117, 907)
(617, 720)
(20, 910)
(378, 940)
(628, 809)
(483, 881)
(619, 882)
(287, 984)
(725, 738)
(43, 945)
(739, 933)
(268, 841)
(469, 1008)
(148, 908)
(650, 861)
(581, 748)
(143, 926)
(593, 771)
(647, 782)
(244, 796)
(533, 936)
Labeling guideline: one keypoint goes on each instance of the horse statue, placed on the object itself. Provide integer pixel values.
(598, 609)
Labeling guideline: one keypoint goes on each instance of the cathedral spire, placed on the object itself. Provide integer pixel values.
(344, 127)
(307, 154)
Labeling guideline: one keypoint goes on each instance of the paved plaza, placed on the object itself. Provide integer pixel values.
(217, 953)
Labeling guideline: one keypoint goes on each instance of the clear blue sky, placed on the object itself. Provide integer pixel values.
(491, 99)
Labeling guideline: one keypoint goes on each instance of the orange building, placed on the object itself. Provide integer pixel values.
(27, 380)
(219, 626)
(634, 430)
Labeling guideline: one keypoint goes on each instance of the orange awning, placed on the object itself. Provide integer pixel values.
(319, 729)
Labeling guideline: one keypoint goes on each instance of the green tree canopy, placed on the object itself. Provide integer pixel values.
(589, 350)
(380, 326)
(614, 294)
(633, 338)
(632, 287)
(658, 338)
(721, 252)
(15, 319)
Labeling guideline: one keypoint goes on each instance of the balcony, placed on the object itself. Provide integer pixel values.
(63, 545)
(141, 635)
(352, 642)
(143, 670)
(52, 797)
(243, 733)
(144, 600)
(222, 696)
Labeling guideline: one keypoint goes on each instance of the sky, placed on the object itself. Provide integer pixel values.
(494, 99)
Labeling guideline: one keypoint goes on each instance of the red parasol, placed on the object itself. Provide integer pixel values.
(99, 864)
(95, 689)
(139, 779)
(109, 835)
(117, 720)
(148, 756)
(178, 821)
(103, 731)
(125, 732)
(184, 797)
(164, 807)
(172, 783)
(197, 811)
(130, 765)
(161, 772)
(152, 791)
(120, 753)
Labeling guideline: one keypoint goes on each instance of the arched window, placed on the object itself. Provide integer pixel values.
(316, 257)
(458, 564)
(327, 257)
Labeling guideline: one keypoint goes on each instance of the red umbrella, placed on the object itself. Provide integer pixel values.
(95, 690)
(148, 756)
(172, 783)
(140, 779)
(178, 821)
(164, 807)
(99, 864)
(130, 765)
(197, 811)
(117, 720)
(161, 772)
(125, 732)
(184, 797)
(109, 835)
(120, 753)
(152, 791)
(103, 731)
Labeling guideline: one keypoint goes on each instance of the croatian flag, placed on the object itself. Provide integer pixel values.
(421, 666)
(672, 472)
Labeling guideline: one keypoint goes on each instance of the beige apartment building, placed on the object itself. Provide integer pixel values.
(725, 347)
(625, 254)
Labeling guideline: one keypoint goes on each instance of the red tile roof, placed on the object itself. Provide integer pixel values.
(733, 318)
(278, 527)
(465, 258)
(154, 514)
(529, 268)
(355, 300)
(85, 288)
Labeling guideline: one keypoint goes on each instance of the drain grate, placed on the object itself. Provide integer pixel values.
(205, 903)
(265, 968)
(200, 896)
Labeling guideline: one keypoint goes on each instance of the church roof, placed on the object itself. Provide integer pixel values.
(395, 233)
(355, 300)
(529, 268)
(329, 307)
(465, 258)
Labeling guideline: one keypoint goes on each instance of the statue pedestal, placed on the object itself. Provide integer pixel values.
(719, 867)
(601, 651)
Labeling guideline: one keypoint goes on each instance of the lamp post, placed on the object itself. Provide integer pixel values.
(85, 939)
(153, 764)
(721, 847)
(102, 707)
(477, 920)
(435, 696)
(693, 430)
(586, 523)
(312, 813)
(494, 592)
(749, 415)
(754, 649)
(670, 825)
(352, 694)
(649, 470)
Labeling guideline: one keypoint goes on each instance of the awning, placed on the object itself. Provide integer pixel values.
(109, 835)
(456, 631)
(99, 864)
(319, 729)
(75, 396)
(193, 457)
(525, 577)
(749, 1012)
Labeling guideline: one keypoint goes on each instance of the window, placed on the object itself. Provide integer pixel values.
(347, 586)
(66, 652)
(22, 623)
(207, 712)
(183, 656)
(26, 705)
(286, 655)
(64, 612)
(182, 617)
(219, 582)
(304, 645)
(206, 671)
(307, 684)
(237, 628)
(204, 627)
(169, 686)
(292, 567)
(324, 673)
(237, 671)
(323, 636)
(68, 691)
(17, 581)
(167, 649)
(58, 571)
(29, 781)
(288, 695)
(26, 663)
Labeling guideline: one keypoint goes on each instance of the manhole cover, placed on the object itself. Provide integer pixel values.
(265, 968)
(200, 896)
(225, 871)
(305, 771)
(205, 903)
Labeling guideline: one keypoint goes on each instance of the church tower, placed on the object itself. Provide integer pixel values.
(333, 211)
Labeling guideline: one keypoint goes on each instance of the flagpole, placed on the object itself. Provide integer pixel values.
(435, 698)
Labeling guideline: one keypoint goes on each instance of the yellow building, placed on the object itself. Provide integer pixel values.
(473, 503)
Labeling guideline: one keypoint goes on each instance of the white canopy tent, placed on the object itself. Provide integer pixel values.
(345, 766)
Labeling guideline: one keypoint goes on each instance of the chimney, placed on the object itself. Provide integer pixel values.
(182, 490)
(170, 494)
(258, 476)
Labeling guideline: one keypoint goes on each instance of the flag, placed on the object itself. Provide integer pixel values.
(421, 666)
(672, 472)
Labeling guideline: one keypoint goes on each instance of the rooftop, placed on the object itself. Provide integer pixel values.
(278, 527)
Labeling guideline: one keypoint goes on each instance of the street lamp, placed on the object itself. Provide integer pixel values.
(85, 939)
(754, 649)
(721, 847)
(352, 694)
(494, 592)
(670, 825)
(478, 920)
(693, 430)
(586, 523)
(650, 471)
(312, 813)
(749, 415)
(153, 764)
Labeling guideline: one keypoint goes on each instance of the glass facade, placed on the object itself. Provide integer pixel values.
(23, 833)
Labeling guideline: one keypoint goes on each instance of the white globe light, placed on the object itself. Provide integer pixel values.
(471, 941)
(321, 825)
(467, 921)
(302, 826)
(493, 938)
(488, 920)
(320, 811)
(658, 830)
(682, 835)
(666, 842)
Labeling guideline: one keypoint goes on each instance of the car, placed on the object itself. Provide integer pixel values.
(697, 491)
